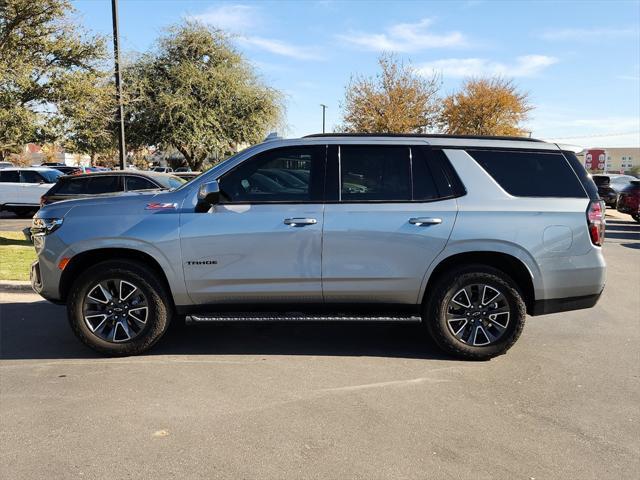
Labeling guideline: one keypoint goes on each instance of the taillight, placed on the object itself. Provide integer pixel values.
(596, 221)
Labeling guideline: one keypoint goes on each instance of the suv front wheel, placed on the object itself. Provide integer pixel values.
(118, 308)
(476, 312)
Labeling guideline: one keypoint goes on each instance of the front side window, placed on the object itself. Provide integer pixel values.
(139, 183)
(375, 173)
(51, 176)
(29, 176)
(289, 174)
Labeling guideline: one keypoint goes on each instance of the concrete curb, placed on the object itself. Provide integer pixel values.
(15, 286)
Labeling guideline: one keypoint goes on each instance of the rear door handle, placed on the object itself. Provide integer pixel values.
(300, 222)
(425, 221)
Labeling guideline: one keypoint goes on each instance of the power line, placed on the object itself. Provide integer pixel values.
(596, 135)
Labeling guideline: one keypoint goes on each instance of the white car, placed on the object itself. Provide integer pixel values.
(162, 169)
(21, 188)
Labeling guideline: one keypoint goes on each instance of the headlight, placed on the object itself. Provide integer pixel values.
(45, 226)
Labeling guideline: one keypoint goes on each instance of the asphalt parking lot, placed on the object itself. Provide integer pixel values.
(330, 402)
(9, 222)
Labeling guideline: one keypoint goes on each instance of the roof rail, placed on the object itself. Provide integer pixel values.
(425, 135)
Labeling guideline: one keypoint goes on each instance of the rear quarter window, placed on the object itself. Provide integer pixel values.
(531, 174)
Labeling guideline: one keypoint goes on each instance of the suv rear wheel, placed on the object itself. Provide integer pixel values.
(476, 312)
(119, 308)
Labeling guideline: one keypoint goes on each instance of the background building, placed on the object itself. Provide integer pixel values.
(612, 160)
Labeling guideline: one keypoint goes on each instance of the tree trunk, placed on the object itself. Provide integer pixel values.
(194, 163)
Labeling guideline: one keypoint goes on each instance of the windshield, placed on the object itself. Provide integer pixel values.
(51, 176)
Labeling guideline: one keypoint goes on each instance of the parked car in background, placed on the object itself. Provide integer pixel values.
(182, 169)
(102, 183)
(162, 169)
(68, 170)
(21, 188)
(465, 234)
(618, 181)
(6, 165)
(606, 192)
(629, 199)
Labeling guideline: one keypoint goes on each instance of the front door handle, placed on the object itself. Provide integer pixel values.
(300, 222)
(425, 221)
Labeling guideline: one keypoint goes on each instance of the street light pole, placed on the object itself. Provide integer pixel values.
(119, 112)
(324, 107)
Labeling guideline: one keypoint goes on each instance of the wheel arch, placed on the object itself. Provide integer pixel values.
(80, 262)
(509, 264)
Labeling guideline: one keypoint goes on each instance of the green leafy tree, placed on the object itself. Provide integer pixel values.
(486, 106)
(42, 54)
(88, 116)
(197, 94)
(397, 100)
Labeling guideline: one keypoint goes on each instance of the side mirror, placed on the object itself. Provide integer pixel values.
(209, 193)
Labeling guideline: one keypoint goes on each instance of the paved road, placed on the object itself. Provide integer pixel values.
(9, 222)
(329, 402)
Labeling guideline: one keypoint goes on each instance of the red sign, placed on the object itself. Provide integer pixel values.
(594, 159)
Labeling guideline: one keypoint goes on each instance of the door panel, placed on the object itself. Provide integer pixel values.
(247, 253)
(263, 244)
(372, 253)
(395, 212)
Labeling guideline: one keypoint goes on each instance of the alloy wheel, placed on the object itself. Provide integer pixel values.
(478, 315)
(115, 310)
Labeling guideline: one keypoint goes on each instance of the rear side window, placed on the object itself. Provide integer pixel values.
(139, 183)
(531, 174)
(106, 184)
(12, 176)
(370, 173)
(76, 186)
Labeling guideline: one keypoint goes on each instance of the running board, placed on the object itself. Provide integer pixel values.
(297, 317)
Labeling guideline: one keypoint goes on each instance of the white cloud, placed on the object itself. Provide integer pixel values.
(279, 47)
(235, 18)
(589, 34)
(405, 37)
(524, 66)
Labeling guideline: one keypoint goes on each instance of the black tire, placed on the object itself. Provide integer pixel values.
(435, 308)
(636, 217)
(159, 313)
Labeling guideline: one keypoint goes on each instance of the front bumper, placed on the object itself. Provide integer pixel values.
(35, 277)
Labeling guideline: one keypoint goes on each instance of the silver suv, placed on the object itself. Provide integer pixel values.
(466, 235)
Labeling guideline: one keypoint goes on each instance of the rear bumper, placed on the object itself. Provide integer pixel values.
(555, 305)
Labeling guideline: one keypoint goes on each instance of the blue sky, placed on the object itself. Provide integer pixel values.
(579, 60)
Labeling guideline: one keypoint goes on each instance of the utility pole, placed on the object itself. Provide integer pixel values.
(324, 107)
(120, 112)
